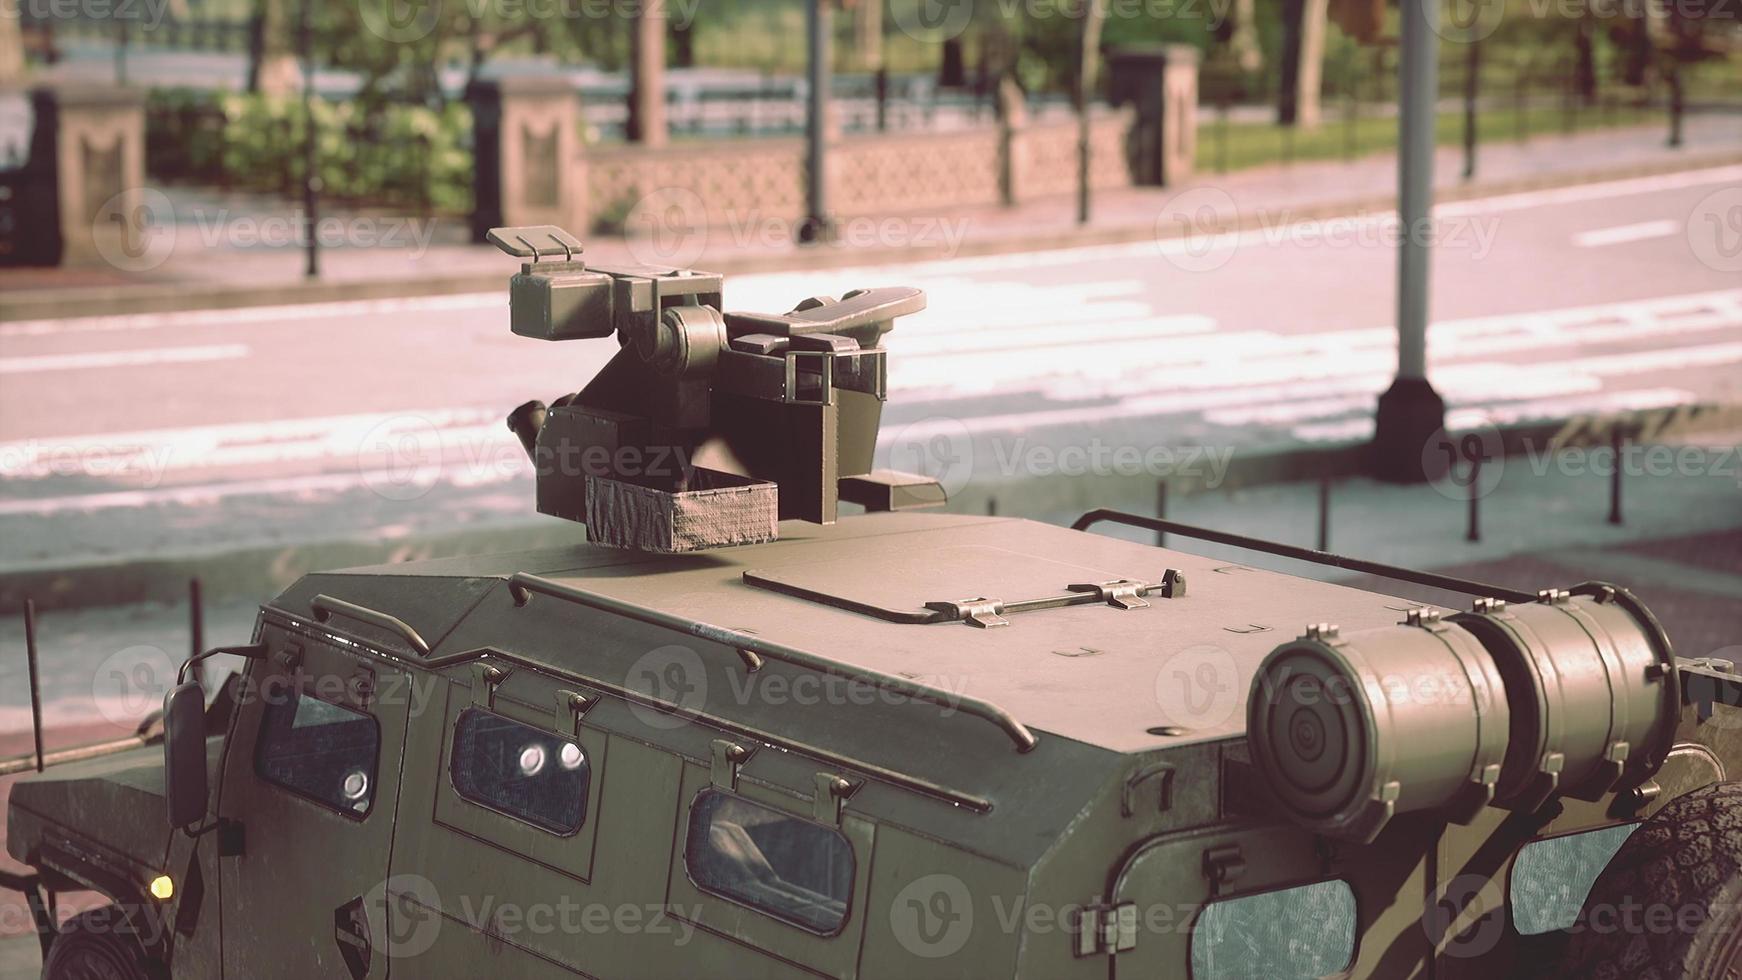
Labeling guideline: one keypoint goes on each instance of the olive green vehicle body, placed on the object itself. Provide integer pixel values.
(1100, 812)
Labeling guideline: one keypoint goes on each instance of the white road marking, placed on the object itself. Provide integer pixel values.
(1165, 366)
(121, 358)
(1622, 234)
(770, 290)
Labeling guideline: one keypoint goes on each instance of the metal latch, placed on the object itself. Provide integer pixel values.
(727, 758)
(1121, 593)
(1106, 929)
(1223, 865)
(981, 612)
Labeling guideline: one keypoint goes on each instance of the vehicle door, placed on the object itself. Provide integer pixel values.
(307, 808)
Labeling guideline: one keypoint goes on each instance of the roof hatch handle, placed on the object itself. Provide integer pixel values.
(980, 612)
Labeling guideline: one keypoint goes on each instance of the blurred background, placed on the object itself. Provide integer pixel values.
(249, 326)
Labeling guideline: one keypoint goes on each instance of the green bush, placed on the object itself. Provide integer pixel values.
(390, 155)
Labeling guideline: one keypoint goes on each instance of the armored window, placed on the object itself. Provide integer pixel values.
(320, 750)
(794, 869)
(1301, 932)
(1551, 877)
(525, 772)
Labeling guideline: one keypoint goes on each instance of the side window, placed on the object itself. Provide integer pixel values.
(796, 870)
(1292, 934)
(320, 750)
(528, 773)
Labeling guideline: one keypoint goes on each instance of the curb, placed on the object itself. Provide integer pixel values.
(167, 298)
(259, 573)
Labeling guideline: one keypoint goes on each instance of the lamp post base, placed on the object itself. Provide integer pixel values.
(816, 231)
(1410, 416)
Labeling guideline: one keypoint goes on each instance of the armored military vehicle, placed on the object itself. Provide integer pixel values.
(737, 732)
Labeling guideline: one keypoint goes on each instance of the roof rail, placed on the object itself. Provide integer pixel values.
(326, 607)
(1409, 575)
(522, 585)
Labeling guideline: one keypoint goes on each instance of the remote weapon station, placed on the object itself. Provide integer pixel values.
(737, 731)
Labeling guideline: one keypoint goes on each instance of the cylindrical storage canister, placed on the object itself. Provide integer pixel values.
(1352, 730)
(1591, 680)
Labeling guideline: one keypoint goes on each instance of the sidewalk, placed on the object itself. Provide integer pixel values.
(216, 262)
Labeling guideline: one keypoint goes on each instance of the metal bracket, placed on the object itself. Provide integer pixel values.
(571, 707)
(1161, 771)
(1107, 929)
(362, 686)
(832, 794)
(289, 658)
(728, 757)
(1120, 593)
(485, 679)
(1173, 584)
(1425, 618)
(980, 612)
(1223, 865)
(1706, 681)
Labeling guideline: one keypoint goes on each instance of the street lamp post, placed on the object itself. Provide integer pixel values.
(817, 226)
(311, 178)
(1410, 412)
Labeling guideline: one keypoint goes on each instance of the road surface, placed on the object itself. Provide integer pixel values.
(129, 434)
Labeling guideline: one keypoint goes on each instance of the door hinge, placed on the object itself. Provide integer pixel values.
(1107, 929)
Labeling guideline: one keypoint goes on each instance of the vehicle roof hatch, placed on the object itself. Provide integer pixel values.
(971, 584)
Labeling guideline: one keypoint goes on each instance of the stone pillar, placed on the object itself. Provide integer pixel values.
(1161, 81)
(11, 52)
(647, 75)
(95, 136)
(527, 164)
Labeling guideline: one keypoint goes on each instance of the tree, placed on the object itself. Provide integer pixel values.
(1303, 59)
